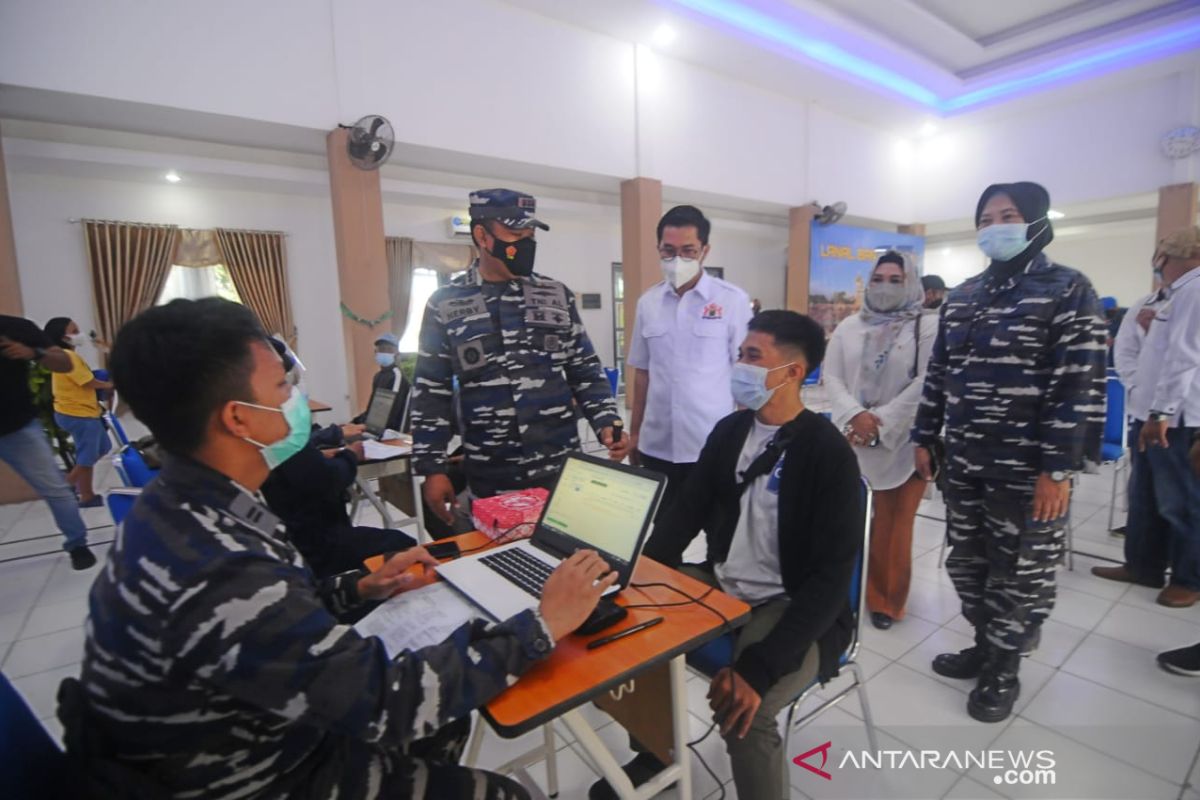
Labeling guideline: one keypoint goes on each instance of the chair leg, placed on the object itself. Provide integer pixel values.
(942, 552)
(787, 736)
(475, 743)
(551, 761)
(860, 685)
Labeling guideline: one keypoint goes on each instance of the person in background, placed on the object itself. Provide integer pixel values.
(1017, 378)
(685, 342)
(778, 494)
(873, 373)
(77, 409)
(1113, 314)
(23, 443)
(1185, 660)
(755, 307)
(389, 376)
(213, 663)
(935, 291)
(514, 341)
(1164, 497)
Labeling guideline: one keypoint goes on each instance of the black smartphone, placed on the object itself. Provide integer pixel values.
(443, 550)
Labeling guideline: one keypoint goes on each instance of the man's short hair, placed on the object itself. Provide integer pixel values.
(933, 282)
(685, 217)
(794, 331)
(177, 364)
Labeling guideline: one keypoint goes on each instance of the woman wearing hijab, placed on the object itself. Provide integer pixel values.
(1017, 378)
(77, 409)
(873, 372)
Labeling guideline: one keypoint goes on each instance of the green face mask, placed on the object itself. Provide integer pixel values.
(299, 419)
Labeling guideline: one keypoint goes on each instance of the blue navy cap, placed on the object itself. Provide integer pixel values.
(511, 209)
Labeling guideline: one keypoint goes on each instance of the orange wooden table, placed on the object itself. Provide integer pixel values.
(573, 675)
(318, 406)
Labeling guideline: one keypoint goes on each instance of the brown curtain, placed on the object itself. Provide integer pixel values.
(258, 268)
(129, 262)
(196, 248)
(400, 263)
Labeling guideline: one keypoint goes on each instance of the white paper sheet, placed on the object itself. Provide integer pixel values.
(417, 619)
(374, 451)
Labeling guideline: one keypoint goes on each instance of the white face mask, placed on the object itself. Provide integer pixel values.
(678, 270)
(1006, 241)
(77, 339)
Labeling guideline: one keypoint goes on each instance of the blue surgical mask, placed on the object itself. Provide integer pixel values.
(385, 360)
(749, 384)
(299, 419)
(1006, 241)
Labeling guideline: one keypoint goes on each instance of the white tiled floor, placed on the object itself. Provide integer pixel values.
(1119, 726)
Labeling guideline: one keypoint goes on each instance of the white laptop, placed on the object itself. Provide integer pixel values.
(595, 505)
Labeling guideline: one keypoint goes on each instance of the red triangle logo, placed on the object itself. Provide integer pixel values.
(824, 751)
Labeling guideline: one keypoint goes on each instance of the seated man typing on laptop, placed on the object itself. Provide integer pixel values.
(213, 666)
(778, 493)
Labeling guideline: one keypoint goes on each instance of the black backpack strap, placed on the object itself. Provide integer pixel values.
(766, 459)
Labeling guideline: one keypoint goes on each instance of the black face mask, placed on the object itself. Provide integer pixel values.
(517, 256)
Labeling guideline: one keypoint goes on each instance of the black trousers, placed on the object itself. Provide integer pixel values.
(677, 475)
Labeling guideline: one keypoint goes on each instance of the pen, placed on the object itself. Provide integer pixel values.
(650, 623)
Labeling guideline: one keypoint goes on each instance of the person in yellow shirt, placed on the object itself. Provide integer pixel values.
(77, 409)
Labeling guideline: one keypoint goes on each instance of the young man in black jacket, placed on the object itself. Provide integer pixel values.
(786, 543)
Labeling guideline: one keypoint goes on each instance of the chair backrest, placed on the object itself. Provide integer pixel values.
(133, 468)
(1115, 425)
(613, 379)
(31, 762)
(814, 377)
(120, 501)
(858, 582)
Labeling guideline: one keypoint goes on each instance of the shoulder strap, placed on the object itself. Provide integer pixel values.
(916, 367)
(766, 459)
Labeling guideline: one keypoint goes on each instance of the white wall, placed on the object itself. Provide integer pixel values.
(1116, 258)
(53, 263)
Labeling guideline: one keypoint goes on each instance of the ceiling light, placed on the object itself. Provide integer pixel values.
(173, 177)
(1053, 214)
(663, 35)
(929, 128)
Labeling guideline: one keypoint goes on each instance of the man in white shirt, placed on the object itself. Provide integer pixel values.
(1166, 394)
(684, 345)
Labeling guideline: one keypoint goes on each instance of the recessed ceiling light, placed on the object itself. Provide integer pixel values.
(173, 177)
(663, 35)
(1053, 214)
(929, 128)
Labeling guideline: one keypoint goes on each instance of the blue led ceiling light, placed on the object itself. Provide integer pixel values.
(744, 17)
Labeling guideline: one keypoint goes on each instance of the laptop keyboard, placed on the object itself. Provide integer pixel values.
(520, 568)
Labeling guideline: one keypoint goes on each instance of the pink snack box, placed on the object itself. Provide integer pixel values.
(497, 515)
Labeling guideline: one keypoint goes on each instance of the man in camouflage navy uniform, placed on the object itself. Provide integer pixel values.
(1017, 377)
(514, 341)
(213, 664)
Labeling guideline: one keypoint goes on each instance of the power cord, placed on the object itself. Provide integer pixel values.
(726, 627)
(499, 539)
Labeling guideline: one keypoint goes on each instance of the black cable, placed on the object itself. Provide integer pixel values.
(726, 627)
(498, 540)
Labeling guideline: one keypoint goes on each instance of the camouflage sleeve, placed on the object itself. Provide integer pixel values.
(339, 592)
(586, 375)
(433, 394)
(931, 412)
(1071, 422)
(254, 629)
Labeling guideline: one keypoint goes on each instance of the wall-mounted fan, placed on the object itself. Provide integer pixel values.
(1181, 142)
(830, 214)
(371, 142)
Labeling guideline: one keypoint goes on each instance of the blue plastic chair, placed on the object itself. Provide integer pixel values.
(120, 501)
(132, 468)
(613, 378)
(718, 653)
(814, 377)
(31, 763)
(1115, 447)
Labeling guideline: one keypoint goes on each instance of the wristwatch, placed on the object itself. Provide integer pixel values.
(39, 353)
(1058, 476)
(1159, 416)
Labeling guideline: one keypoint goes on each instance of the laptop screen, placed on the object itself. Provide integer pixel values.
(379, 410)
(602, 506)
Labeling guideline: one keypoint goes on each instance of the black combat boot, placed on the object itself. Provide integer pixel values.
(992, 700)
(965, 663)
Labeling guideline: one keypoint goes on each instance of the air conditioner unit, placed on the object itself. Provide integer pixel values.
(459, 226)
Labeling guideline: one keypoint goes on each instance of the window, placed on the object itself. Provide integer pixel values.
(193, 283)
(619, 325)
(424, 284)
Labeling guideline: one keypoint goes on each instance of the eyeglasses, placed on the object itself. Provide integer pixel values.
(689, 252)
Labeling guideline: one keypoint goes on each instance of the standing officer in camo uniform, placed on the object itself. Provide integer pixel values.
(515, 342)
(1017, 376)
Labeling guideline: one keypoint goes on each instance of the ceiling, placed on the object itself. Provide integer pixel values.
(933, 56)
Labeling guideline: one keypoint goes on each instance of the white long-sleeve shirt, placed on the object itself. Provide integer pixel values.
(890, 463)
(1167, 379)
(1128, 343)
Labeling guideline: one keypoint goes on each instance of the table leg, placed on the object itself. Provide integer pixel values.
(374, 500)
(678, 773)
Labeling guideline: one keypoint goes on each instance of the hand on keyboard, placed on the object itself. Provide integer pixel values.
(573, 590)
